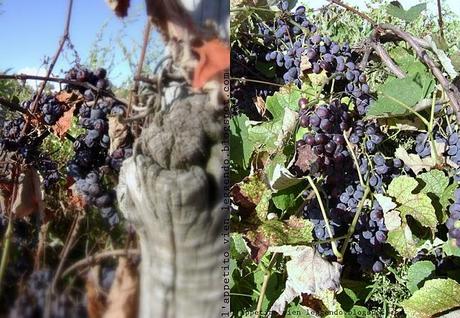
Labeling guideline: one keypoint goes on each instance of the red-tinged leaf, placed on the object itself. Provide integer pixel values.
(248, 193)
(64, 123)
(120, 7)
(66, 97)
(214, 58)
(293, 231)
(258, 244)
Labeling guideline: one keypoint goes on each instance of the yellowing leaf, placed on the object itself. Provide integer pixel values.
(418, 205)
(436, 296)
(402, 241)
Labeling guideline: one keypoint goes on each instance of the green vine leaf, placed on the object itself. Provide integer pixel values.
(397, 95)
(418, 273)
(436, 296)
(403, 241)
(293, 231)
(240, 144)
(436, 182)
(407, 15)
(438, 188)
(288, 97)
(418, 205)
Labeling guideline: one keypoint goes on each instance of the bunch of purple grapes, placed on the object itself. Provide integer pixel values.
(327, 123)
(92, 147)
(244, 93)
(453, 222)
(312, 212)
(81, 74)
(51, 110)
(369, 239)
(291, 43)
(366, 131)
(32, 302)
(94, 194)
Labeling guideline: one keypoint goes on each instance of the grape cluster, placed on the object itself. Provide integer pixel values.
(48, 169)
(286, 39)
(381, 171)
(369, 237)
(32, 302)
(26, 144)
(94, 194)
(82, 74)
(292, 44)
(453, 151)
(327, 123)
(92, 147)
(312, 212)
(366, 131)
(453, 222)
(50, 109)
(244, 93)
(11, 134)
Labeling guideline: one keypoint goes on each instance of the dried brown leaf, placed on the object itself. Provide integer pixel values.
(118, 132)
(260, 105)
(308, 273)
(122, 301)
(29, 197)
(66, 97)
(306, 161)
(95, 296)
(120, 7)
(64, 123)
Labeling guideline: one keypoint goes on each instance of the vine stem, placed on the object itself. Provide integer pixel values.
(64, 38)
(9, 230)
(93, 259)
(326, 220)
(58, 80)
(263, 289)
(452, 91)
(408, 108)
(6, 251)
(351, 9)
(352, 227)
(254, 81)
(434, 155)
(355, 159)
(67, 247)
(133, 93)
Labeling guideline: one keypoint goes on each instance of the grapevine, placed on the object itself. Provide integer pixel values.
(335, 149)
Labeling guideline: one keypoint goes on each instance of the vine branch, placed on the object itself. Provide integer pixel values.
(451, 91)
(24, 77)
(64, 38)
(355, 11)
(93, 259)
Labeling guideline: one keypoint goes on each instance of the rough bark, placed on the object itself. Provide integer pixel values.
(171, 190)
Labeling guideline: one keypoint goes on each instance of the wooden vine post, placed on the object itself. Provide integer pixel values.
(171, 189)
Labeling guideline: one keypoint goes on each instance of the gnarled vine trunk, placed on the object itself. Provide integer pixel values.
(171, 190)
